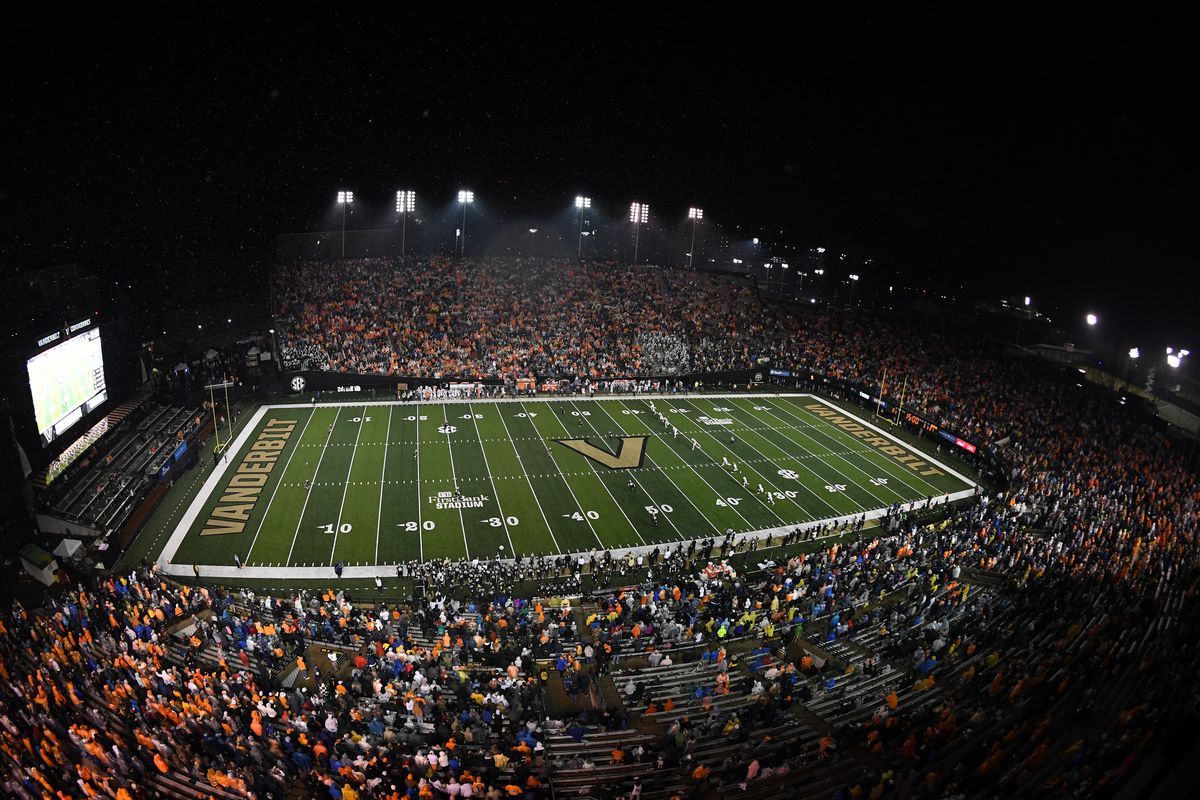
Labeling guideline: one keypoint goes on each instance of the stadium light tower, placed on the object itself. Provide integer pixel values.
(853, 281)
(465, 198)
(638, 214)
(695, 215)
(344, 198)
(581, 203)
(406, 203)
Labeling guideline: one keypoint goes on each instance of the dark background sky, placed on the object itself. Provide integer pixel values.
(1062, 166)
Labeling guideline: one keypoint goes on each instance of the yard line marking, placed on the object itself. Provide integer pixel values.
(271, 499)
(861, 455)
(308, 493)
(528, 481)
(578, 505)
(382, 483)
(420, 523)
(798, 460)
(453, 474)
(832, 454)
(337, 526)
(662, 469)
(865, 450)
(709, 485)
(605, 485)
(767, 481)
(500, 508)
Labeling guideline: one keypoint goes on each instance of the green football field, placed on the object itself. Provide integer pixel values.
(373, 485)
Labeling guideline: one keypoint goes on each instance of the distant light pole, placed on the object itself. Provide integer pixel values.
(1092, 319)
(581, 203)
(465, 198)
(1021, 317)
(695, 215)
(853, 280)
(344, 199)
(639, 213)
(406, 203)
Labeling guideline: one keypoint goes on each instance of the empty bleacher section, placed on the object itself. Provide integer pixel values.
(102, 489)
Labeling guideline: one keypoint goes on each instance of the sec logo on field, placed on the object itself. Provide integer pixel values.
(298, 383)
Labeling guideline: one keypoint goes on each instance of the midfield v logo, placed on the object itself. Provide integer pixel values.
(629, 455)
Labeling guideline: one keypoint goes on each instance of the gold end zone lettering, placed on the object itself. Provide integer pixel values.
(240, 495)
(218, 527)
(241, 512)
(248, 480)
(245, 487)
(868, 435)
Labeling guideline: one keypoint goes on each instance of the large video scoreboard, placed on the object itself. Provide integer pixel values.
(66, 379)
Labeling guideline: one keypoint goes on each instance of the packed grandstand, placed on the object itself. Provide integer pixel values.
(1038, 640)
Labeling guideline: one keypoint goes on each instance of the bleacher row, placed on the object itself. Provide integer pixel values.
(796, 737)
(100, 497)
(853, 700)
(181, 651)
(862, 661)
(175, 784)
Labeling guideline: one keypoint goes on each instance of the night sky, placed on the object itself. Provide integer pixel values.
(1064, 168)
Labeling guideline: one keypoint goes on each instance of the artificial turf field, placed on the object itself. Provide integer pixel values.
(371, 485)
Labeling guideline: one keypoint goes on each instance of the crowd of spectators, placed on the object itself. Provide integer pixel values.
(514, 318)
(509, 318)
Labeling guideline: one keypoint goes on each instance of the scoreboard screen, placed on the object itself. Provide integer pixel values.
(66, 383)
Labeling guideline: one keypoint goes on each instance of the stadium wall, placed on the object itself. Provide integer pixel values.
(313, 381)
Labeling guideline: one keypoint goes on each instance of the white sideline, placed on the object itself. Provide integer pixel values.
(389, 570)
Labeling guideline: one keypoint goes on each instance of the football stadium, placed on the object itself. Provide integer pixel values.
(437, 425)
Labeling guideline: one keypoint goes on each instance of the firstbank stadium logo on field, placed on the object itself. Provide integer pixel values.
(448, 500)
(715, 420)
(298, 383)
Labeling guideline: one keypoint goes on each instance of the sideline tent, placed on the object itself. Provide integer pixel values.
(67, 548)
